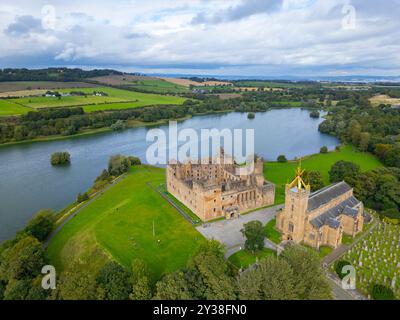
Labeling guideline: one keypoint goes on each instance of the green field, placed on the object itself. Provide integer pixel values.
(119, 224)
(281, 173)
(159, 86)
(9, 108)
(244, 258)
(116, 99)
(271, 233)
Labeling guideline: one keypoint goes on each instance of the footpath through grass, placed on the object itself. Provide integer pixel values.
(281, 173)
(119, 225)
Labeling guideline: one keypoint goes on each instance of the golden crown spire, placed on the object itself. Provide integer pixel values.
(298, 180)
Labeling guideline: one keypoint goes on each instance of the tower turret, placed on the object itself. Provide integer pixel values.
(296, 201)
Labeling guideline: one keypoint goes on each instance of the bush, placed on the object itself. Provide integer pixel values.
(82, 197)
(341, 170)
(314, 114)
(135, 161)
(339, 265)
(282, 158)
(323, 149)
(119, 125)
(41, 224)
(251, 115)
(381, 292)
(58, 158)
(118, 165)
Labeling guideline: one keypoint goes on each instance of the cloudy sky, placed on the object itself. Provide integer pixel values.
(238, 37)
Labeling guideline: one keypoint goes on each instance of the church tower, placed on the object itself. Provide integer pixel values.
(294, 217)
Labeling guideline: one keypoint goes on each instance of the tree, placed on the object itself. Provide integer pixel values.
(17, 289)
(251, 115)
(209, 275)
(314, 114)
(173, 286)
(135, 161)
(118, 165)
(114, 281)
(253, 231)
(309, 280)
(41, 224)
(2, 288)
(354, 131)
(381, 292)
(82, 197)
(58, 158)
(24, 260)
(343, 170)
(282, 158)
(314, 179)
(140, 278)
(272, 279)
(78, 283)
(323, 149)
(119, 125)
(339, 265)
(365, 138)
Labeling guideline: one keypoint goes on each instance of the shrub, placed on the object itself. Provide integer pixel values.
(41, 224)
(339, 265)
(381, 292)
(58, 158)
(314, 114)
(82, 197)
(251, 115)
(282, 158)
(118, 165)
(135, 161)
(119, 125)
(323, 149)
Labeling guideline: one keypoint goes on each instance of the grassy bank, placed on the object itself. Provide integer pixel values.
(119, 225)
(281, 173)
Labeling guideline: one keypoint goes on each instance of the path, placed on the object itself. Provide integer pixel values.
(228, 231)
(337, 253)
(338, 292)
(96, 195)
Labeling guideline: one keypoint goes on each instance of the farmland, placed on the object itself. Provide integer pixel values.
(12, 86)
(142, 83)
(110, 99)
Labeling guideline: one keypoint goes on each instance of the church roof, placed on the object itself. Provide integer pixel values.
(325, 195)
(329, 217)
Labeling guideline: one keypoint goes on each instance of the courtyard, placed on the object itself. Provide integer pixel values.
(228, 231)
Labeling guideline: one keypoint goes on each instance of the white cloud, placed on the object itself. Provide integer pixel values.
(280, 36)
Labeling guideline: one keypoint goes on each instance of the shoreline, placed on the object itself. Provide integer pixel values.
(136, 124)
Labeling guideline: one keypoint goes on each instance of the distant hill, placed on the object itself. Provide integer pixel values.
(53, 74)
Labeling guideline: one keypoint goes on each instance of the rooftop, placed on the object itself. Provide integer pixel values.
(325, 195)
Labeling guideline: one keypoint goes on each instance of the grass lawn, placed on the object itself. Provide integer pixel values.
(244, 258)
(9, 108)
(116, 99)
(324, 251)
(281, 173)
(119, 225)
(159, 85)
(271, 233)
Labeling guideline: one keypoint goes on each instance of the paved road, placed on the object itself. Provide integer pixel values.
(228, 231)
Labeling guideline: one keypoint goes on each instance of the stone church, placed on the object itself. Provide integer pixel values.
(217, 189)
(319, 218)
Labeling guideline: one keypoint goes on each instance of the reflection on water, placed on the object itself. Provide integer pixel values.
(28, 182)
